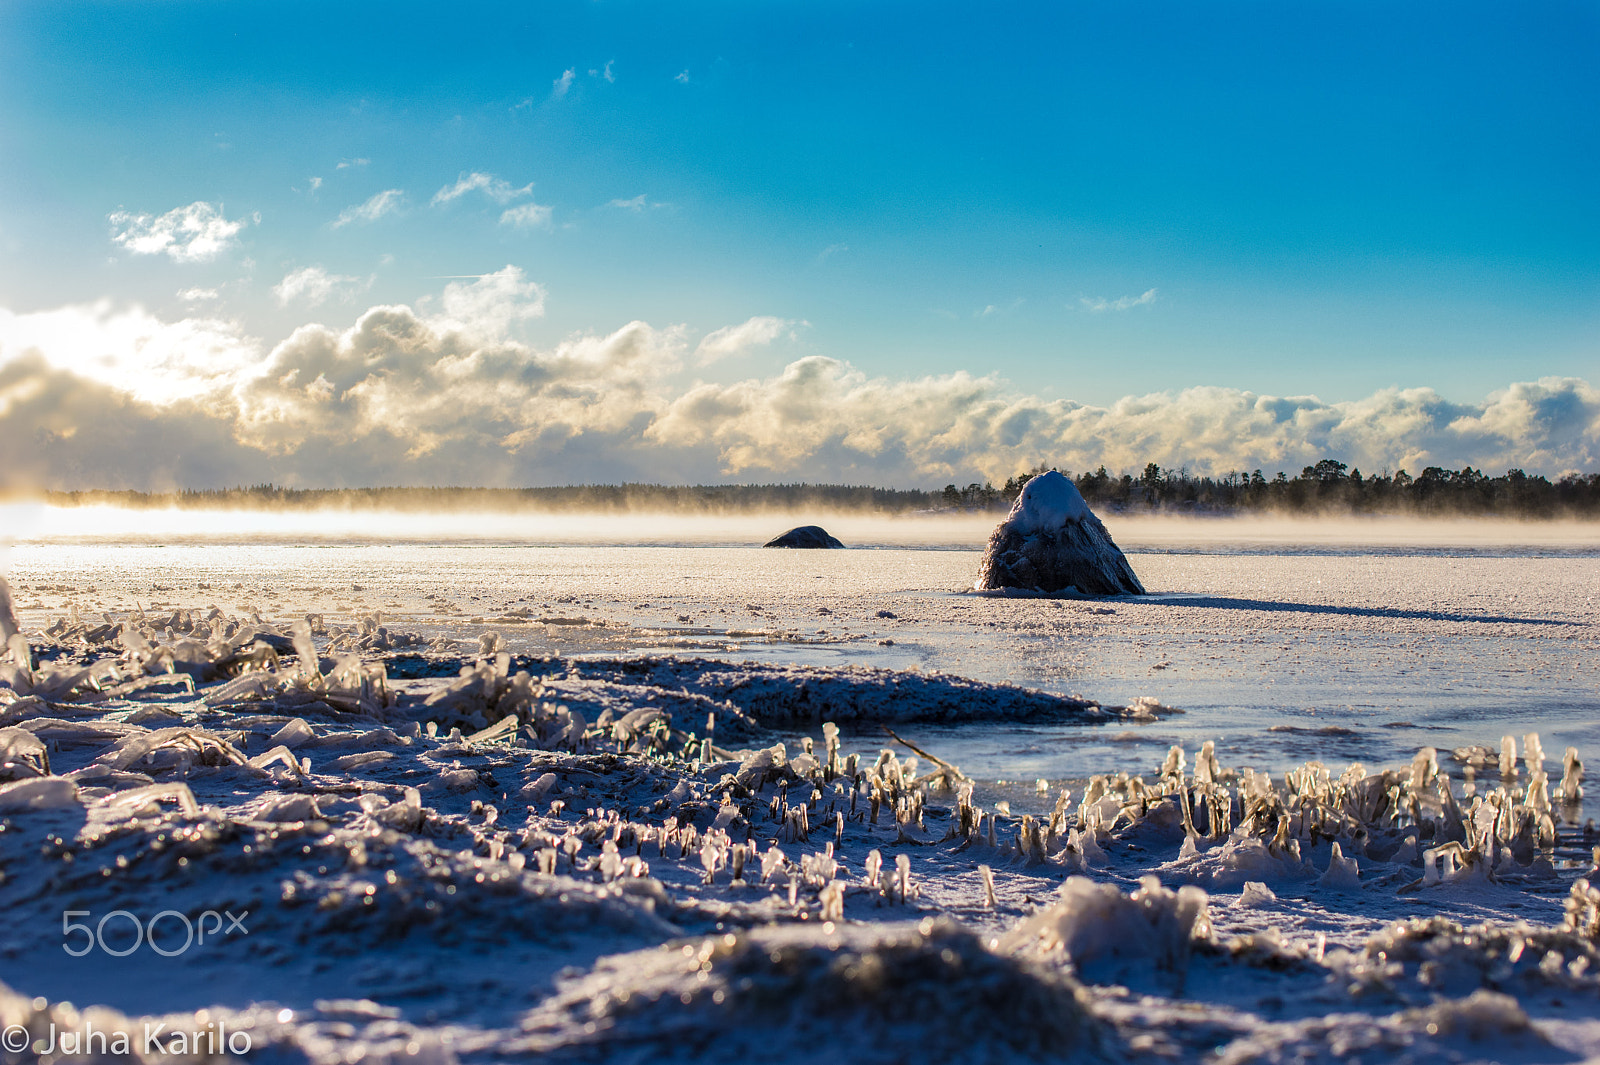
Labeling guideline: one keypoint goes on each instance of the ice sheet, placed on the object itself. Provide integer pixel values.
(394, 924)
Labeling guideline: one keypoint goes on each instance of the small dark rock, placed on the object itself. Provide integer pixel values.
(805, 536)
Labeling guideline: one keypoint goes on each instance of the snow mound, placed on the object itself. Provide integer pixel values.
(1052, 542)
(1239, 860)
(1483, 1027)
(778, 694)
(1047, 502)
(842, 993)
(1100, 928)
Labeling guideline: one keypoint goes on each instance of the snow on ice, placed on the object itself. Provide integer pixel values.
(500, 858)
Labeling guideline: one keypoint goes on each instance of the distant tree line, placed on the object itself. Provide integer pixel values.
(1324, 487)
(1328, 486)
(587, 498)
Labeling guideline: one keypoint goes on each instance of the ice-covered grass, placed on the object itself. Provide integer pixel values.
(1279, 658)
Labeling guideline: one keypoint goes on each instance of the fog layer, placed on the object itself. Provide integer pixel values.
(35, 523)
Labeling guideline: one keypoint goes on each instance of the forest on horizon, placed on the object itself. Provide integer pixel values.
(1328, 487)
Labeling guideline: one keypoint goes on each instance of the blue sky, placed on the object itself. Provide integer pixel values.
(1078, 203)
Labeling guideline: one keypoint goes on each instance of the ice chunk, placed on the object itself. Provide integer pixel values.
(38, 793)
(287, 809)
(22, 754)
(1256, 893)
(294, 733)
(1571, 777)
(8, 613)
(1343, 873)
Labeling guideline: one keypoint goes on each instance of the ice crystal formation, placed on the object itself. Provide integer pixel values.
(1052, 542)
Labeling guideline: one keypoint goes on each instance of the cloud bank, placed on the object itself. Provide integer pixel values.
(445, 392)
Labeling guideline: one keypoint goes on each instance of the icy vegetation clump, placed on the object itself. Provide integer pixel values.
(1444, 956)
(1051, 542)
(501, 858)
(1101, 930)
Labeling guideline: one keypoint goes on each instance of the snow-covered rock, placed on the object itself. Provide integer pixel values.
(1052, 542)
(805, 536)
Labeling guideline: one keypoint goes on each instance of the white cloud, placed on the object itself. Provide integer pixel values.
(386, 202)
(314, 286)
(196, 233)
(681, 78)
(454, 384)
(737, 339)
(560, 86)
(197, 295)
(831, 250)
(345, 164)
(497, 189)
(130, 350)
(1097, 304)
(493, 302)
(527, 216)
(992, 309)
(315, 182)
(637, 203)
(607, 72)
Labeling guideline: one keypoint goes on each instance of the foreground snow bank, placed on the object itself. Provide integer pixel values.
(929, 991)
(617, 861)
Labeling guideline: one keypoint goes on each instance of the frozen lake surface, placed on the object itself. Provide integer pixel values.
(441, 859)
(1334, 645)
